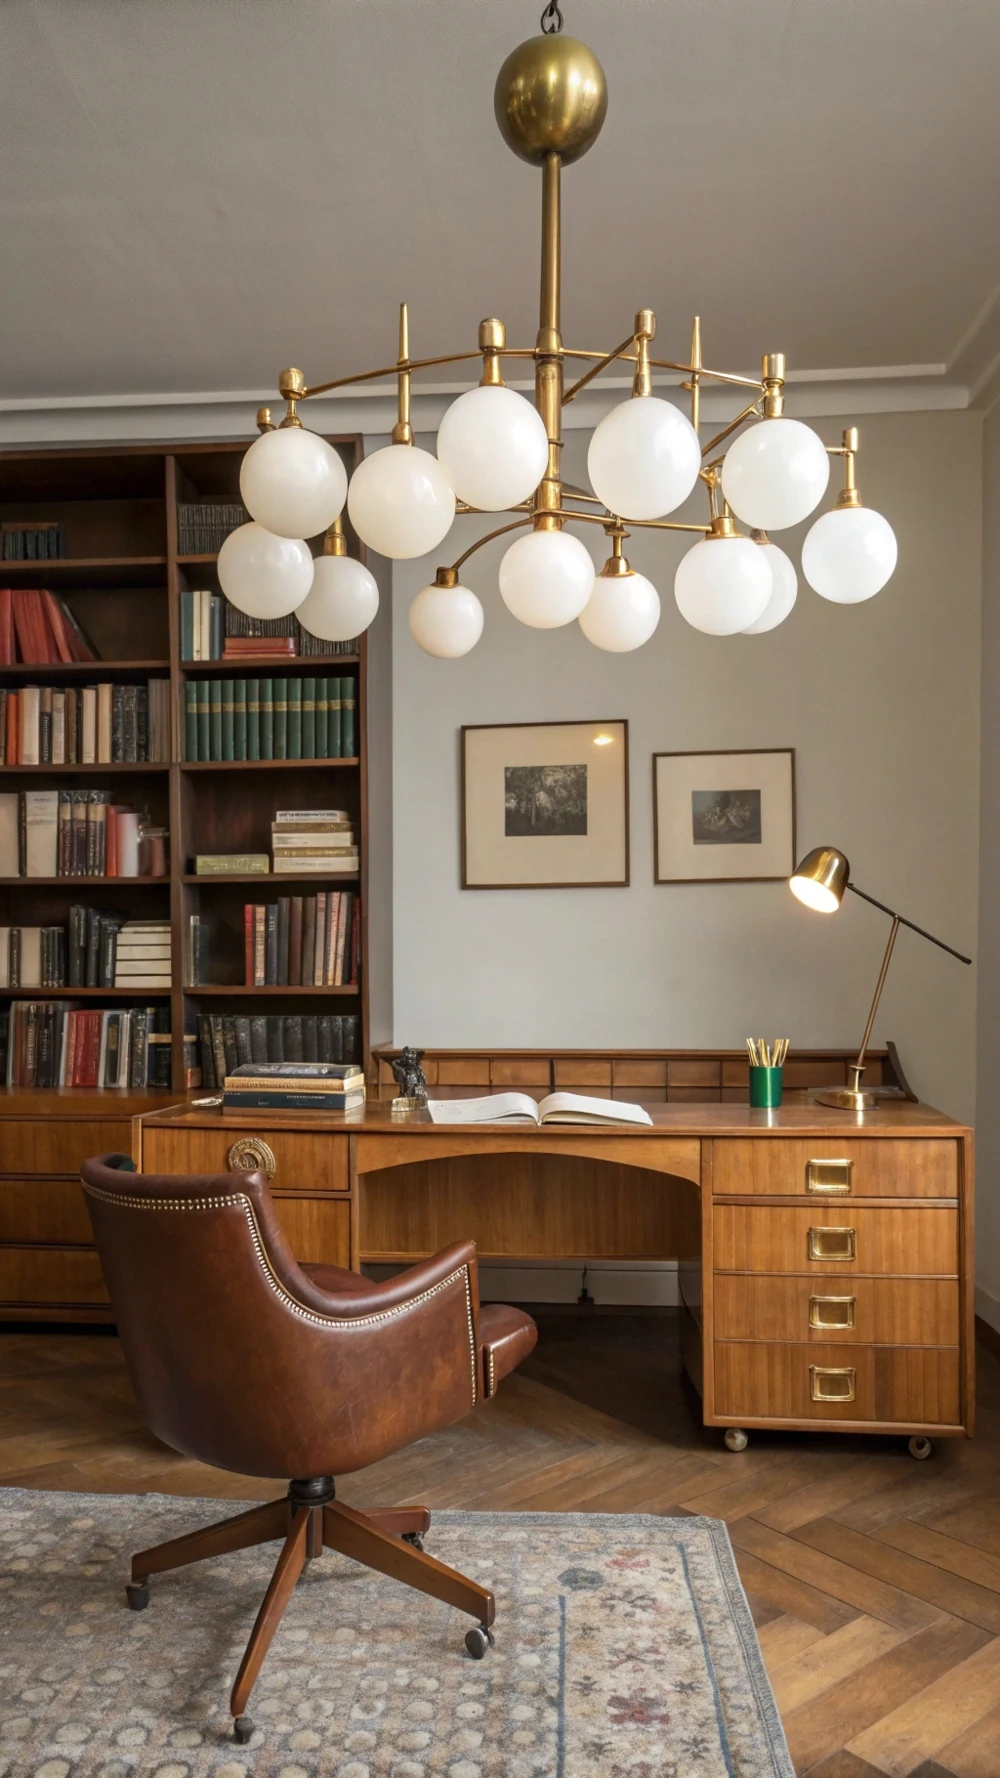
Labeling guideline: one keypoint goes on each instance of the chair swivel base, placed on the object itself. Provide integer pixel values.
(308, 1520)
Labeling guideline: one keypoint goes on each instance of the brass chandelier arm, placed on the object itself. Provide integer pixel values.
(750, 408)
(499, 532)
(596, 369)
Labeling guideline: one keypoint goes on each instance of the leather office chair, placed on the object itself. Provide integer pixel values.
(244, 1359)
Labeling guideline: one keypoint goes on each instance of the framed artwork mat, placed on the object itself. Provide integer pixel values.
(545, 805)
(724, 817)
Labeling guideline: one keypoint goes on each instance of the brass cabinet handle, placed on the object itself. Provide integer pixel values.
(832, 1311)
(830, 1179)
(251, 1154)
(836, 1244)
(828, 1383)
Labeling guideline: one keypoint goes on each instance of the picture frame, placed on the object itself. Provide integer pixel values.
(545, 805)
(724, 816)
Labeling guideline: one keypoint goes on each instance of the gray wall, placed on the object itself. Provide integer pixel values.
(988, 1098)
(880, 702)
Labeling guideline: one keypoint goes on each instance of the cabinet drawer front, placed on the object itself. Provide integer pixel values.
(892, 1385)
(467, 1071)
(303, 1161)
(581, 1077)
(44, 1210)
(824, 1309)
(55, 1145)
(62, 1277)
(525, 1071)
(318, 1229)
(836, 1168)
(773, 1238)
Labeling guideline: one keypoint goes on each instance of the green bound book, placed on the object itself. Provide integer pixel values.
(267, 719)
(281, 719)
(293, 695)
(191, 719)
(334, 750)
(204, 745)
(215, 718)
(348, 717)
(309, 719)
(187, 626)
(228, 714)
(253, 718)
(239, 719)
(322, 720)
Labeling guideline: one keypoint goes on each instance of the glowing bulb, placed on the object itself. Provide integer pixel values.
(546, 579)
(775, 474)
(783, 594)
(849, 554)
(446, 621)
(293, 483)
(723, 585)
(263, 574)
(622, 612)
(493, 447)
(401, 502)
(644, 458)
(342, 600)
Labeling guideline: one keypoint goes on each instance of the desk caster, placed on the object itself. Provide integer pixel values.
(479, 1641)
(414, 1538)
(242, 1730)
(736, 1439)
(137, 1594)
(921, 1448)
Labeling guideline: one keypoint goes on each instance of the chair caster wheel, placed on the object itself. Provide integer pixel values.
(479, 1641)
(242, 1730)
(921, 1448)
(413, 1537)
(736, 1439)
(137, 1594)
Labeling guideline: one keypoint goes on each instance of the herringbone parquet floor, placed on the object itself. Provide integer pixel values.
(875, 1580)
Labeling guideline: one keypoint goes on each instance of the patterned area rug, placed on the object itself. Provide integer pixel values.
(625, 1649)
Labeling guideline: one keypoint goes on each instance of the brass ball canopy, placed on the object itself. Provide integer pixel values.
(550, 98)
(821, 879)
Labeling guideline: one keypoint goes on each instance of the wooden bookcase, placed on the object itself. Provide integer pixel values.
(122, 573)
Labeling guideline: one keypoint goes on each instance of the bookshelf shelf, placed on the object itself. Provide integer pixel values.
(240, 988)
(83, 882)
(208, 555)
(246, 665)
(96, 769)
(140, 995)
(107, 572)
(259, 876)
(265, 765)
(79, 669)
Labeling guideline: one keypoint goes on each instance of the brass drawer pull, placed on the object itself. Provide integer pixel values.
(829, 1384)
(251, 1154)
(830, 1179)
(832, 1244)
(832, 1311)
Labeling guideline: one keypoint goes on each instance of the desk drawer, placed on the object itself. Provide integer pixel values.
(318, 1229)
(826, 1309)
(890, 1385)
(46, 1210)
(835, 1237)
(836, 1168)
(52, 1276)
(304, 1160)
(57, 1145)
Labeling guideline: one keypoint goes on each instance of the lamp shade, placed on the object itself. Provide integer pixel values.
(293, 482)
(342, 600)
(493, 447)
(820, 880)
(264, 575)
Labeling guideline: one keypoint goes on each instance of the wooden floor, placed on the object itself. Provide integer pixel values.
(874, 1580)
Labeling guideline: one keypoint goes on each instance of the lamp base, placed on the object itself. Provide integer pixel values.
(845, 1099)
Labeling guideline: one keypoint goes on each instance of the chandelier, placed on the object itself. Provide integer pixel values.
(499, 452)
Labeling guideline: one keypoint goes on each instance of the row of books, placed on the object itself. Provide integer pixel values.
(228, 1040)
(32, 540)
(37, 627)
(302, 840)
(85, 725)
(294, 1086)
(303, 941)
(76, 833)
(213, 630)
(204, 525)
(284, 634)
(46, 1043)
(271, 718)
(93, 950)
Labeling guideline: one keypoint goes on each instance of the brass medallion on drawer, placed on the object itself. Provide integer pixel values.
(869, 1311)
(303, 1161)
(918, 1241)
(891, 1385)
(875, 1168)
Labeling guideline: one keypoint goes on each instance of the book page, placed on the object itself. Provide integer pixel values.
(496, 1108)
(569, 1108)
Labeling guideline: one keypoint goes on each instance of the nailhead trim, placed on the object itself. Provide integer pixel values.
(238, 1201)
(493, 1369)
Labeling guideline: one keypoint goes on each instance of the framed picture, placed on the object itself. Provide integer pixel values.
(545, 805)
(724, 817)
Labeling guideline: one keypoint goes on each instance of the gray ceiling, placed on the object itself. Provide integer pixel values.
(197, 192)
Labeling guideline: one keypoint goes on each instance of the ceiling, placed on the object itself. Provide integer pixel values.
(198, 192)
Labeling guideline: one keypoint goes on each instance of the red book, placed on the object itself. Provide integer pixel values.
(6, 628)
(91, 1049)
(250, 645)
(355, 942)
(79, 1033)
(111, 843)
(13, 748)
(34, 639)
(248, 944)
(57, 624)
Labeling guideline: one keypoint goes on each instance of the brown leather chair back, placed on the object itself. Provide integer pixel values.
(239, 1359)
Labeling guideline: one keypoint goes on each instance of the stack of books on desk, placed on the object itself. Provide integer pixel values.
(313, 840)
(294, 1086)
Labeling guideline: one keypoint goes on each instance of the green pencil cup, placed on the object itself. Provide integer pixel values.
(765, 1087)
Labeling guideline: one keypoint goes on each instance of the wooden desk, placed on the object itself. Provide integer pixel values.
(824, 1258)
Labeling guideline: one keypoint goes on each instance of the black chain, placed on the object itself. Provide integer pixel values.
(552, 19)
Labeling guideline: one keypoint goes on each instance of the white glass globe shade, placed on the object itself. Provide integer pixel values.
(849, 554)
(622, 612)
(546, 579)
(400, 501)
(783, 594)
(493, 448)
(446, 621)
(775, 474)
(341, 602)
(262, 574)
(293, 482)
(723, 585)
(644, 458)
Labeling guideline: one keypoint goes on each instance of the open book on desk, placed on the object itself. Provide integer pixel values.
(520, 1108)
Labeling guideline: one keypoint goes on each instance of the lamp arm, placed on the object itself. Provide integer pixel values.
(903, 922)
(857, 1068)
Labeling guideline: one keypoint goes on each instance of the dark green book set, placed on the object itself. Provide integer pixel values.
(274, 716)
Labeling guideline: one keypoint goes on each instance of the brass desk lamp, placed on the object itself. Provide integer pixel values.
(819, 883)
